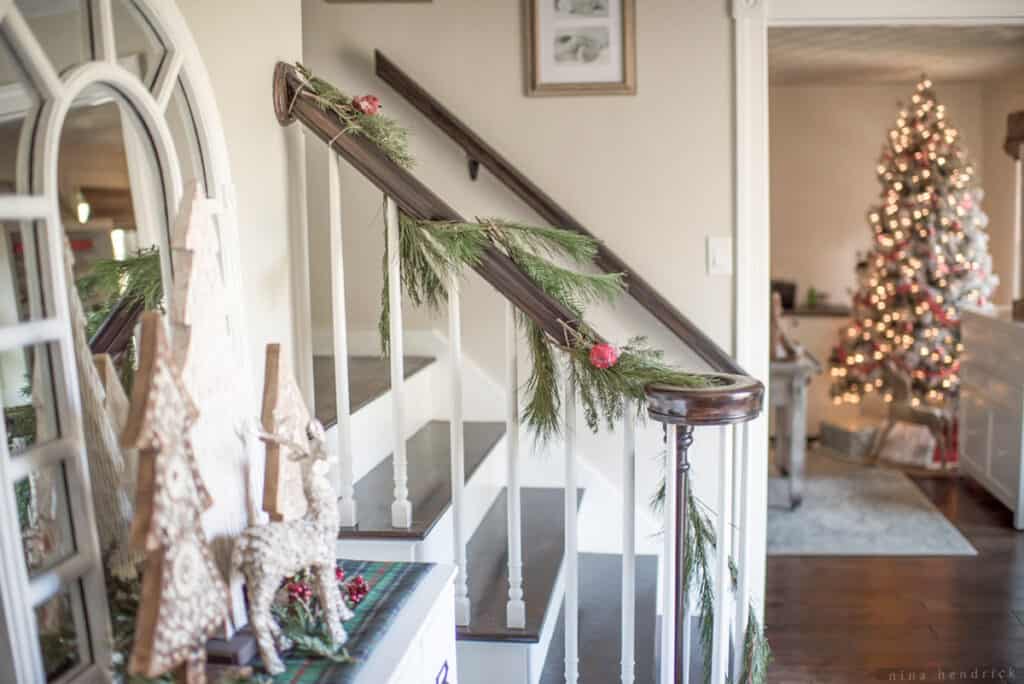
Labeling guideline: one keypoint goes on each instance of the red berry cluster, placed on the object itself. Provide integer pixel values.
(339, 574)
(299, 591)
(357, 589)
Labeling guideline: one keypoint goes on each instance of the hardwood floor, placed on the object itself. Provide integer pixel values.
(853, 620)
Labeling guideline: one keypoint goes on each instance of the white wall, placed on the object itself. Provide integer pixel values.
(241, 41)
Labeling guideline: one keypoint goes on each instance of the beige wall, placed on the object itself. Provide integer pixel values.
(998, 177)
(240, 41)
(651, 174)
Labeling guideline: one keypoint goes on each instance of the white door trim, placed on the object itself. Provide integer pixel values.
(752, 18)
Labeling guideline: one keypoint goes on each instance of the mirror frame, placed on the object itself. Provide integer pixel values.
(35, 202)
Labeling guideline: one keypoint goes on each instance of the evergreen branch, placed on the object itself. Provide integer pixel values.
(382, 131)
(542, 409)
(757, 654)
(543, 240)
(135, 279)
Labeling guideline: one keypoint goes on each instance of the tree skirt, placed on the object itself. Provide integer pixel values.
(391, 584)
(860, 512)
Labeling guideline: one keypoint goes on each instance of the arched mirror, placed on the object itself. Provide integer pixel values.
(105, 115)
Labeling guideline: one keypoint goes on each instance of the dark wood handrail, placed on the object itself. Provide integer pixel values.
(415, 199)
(116, 330)
(480, 152)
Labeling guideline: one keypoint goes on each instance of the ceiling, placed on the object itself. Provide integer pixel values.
(893, 54)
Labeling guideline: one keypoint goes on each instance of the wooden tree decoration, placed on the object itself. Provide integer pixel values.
(285, 415)
(184, 598)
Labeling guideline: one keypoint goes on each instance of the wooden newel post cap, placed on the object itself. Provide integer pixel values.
(725, 400)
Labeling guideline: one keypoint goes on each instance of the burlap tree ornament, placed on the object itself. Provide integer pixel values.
(184, 598)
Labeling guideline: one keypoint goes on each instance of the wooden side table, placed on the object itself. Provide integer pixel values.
(789, 400)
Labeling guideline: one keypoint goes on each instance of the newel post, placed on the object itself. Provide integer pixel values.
(726, 400)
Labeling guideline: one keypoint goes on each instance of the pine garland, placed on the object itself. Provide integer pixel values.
(432, 253)
(385, 133)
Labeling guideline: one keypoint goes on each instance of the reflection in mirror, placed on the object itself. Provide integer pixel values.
(114, 214)
(46, 531)
(26, 393)
(60, 621)
(139, 48)
(62, 29)
(22, 297)
(19, 102)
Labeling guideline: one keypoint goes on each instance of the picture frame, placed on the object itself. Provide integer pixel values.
(580, 47)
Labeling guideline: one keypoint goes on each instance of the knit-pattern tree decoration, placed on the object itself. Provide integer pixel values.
(184, 598)
(929, 258)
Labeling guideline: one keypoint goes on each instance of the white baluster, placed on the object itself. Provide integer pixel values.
(571, 550)
(740, 480)
(344, 477)
(458, 455)
(515, 610)
(629, 544)
(668, 564)
(401, 508)
(723, 579)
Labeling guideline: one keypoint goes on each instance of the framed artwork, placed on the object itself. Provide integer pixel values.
(581, 47)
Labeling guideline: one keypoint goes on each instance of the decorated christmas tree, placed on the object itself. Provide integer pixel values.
(928, 259)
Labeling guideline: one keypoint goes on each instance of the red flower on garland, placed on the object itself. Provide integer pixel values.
(357, 589)
(367, 104)
(603, 356)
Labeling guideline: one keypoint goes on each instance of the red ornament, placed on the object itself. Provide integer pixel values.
(367, 104)
(603, 356)
(339, 574)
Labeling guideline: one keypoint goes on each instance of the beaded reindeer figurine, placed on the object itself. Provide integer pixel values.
(267, 554)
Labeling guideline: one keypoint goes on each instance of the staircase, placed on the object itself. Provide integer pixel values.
(486, 641)
(426, 475)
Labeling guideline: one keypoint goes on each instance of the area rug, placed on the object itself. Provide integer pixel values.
(859, 512)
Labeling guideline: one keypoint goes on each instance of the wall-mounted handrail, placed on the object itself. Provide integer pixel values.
(515, 180)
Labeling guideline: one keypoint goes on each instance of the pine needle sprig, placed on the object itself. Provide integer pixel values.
(757, 654)
(136, 279)
(384, 132)
(542, 408)
(543, 240)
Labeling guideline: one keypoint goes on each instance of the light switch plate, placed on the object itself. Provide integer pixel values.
(719, 257)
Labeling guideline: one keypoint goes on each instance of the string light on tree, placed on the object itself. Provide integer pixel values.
(928, 259)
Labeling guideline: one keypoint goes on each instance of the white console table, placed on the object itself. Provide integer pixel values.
(419, 647)
(992, 407)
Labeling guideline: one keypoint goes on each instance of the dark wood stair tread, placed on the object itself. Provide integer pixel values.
(601, 623)
(543, 518)
(428, 453)
(369, 377)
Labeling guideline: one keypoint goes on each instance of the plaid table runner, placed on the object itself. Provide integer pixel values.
(390, 585)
